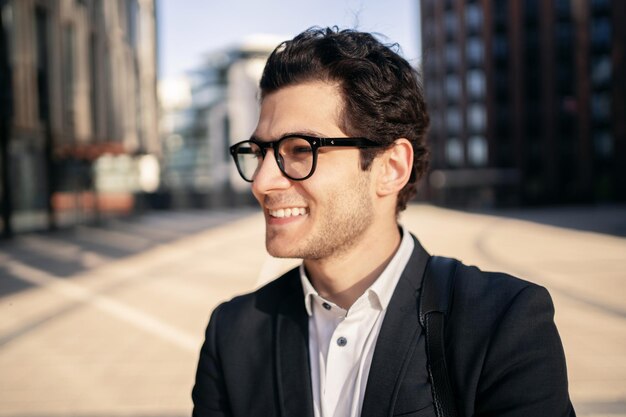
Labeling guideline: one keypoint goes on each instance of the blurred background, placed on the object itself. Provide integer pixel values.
(119, 200)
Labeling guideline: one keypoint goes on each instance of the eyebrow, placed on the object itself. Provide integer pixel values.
(304, 132)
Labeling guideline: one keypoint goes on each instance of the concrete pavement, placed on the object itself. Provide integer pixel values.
(109, 321)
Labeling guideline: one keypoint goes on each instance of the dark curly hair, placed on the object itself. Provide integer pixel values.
(382, 93)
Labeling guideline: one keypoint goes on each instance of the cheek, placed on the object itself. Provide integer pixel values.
(338, 176)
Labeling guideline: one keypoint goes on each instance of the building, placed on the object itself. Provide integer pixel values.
(81, 111)
(223, 109)
(527, 99)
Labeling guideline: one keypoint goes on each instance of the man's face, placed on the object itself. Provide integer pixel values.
(328, 212)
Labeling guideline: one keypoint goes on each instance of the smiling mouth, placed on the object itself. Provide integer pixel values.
(288, 212)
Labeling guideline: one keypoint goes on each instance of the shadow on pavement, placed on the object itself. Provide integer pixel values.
(67, 252)
(610, 219)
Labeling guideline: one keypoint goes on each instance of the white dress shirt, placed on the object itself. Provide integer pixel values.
(341, 342)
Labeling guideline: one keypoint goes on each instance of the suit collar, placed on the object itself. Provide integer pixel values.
(292, 353)
(397, 338)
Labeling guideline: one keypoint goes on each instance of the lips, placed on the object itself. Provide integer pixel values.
(288, 212)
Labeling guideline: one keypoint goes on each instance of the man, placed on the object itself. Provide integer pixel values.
(338, 148)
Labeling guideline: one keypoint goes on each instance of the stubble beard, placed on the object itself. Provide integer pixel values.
(348, 214)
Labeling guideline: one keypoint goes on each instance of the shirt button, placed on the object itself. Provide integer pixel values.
(342, 341)
(326, 306)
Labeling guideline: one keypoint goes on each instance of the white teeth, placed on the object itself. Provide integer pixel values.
(288, 212)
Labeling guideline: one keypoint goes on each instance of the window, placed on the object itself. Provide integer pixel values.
(452, 56)
(601, 32)
(451, 23)
(477, 151)
(476, 118)
(500, 13)
(601, 107)
(603, 144)
(454, 152)
(94, 84)
(131, 17)
(453, 120)
(531, 10)
(474, 50)
(563, 7)
(68, 75)
(600, 5)
(476, 84)
(601, 70)
(500, 47)
(453, 87)
(564, 34)
(41, 49)
(473, 17)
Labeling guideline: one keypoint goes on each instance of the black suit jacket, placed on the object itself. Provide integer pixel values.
(502, 347)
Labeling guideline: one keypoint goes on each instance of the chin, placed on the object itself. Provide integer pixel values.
(282, 243)
(279, 249)
(278, 253)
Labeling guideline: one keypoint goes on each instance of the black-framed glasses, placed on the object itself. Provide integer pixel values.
(296, 155)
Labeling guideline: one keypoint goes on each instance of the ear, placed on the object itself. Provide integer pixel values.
(395, 168)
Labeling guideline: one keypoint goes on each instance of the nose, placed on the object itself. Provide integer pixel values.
(269, 178)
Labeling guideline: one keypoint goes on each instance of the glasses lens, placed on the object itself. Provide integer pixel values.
(249, 157)
(297, 156)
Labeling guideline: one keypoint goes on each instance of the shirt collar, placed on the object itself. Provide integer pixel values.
(309, 291)
(383, 287)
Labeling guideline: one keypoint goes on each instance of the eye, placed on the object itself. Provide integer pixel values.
(295, 148)
(301, 149)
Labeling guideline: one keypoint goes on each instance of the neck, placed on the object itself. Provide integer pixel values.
(342, 279)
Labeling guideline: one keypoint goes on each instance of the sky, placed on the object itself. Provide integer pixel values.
(190, 29)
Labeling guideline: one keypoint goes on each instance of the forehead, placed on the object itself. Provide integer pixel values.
(313, 107)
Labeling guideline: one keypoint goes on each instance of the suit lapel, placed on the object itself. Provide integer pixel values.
(396, 340)
(292, 354)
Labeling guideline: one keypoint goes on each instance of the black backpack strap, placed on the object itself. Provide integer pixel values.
(435, 299)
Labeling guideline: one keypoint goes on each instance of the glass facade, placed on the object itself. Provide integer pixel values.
(530, 86)
(72, 104)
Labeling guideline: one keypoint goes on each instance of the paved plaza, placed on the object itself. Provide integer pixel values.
(108, 321)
